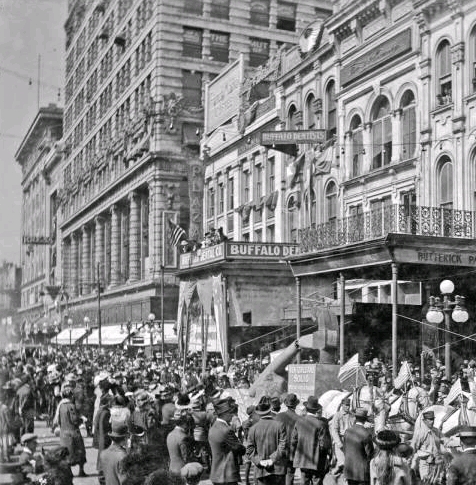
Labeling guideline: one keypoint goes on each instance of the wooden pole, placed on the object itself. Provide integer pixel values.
(342, 320)
(394, 319)
(298, 316)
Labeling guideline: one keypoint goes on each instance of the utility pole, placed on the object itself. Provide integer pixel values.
(162, 322)
(99, 305)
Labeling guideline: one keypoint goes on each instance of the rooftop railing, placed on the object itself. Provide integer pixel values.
(397, 218)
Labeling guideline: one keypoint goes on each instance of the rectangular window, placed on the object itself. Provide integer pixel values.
(259, 51)
(220, 9)
(246, 187)
(286, 19)
(194, 7)
(192, 88)
(219, 46)
(258, 235)
(258, 182)
(357, 153)
(221, 197)
(231, 194)
(192, 42)
(271, 169)
(211, 202)
(259, 12)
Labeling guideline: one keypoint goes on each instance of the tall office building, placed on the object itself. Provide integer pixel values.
(135, 72)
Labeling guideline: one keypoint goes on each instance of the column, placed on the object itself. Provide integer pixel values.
(65, 263)
(74, 265)
(115, 245)
(397, 148)
(99, 247)
(156, 202)
(86, 267)
(134, 237)
(342, 320)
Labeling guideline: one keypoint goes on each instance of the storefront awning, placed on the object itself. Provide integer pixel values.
(110, 335)
(142, 339)
(77, 333)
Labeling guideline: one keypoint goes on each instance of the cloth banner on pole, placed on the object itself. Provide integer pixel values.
(205, 294)
(220, 316)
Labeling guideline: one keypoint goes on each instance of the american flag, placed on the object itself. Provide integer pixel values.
(404, 375)
(349, 369)
(176, 233)
(454, 393)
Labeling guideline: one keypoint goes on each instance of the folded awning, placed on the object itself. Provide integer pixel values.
(77, 333)
(110, 335)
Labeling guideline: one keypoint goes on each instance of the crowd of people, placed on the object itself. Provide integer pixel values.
(153, 423)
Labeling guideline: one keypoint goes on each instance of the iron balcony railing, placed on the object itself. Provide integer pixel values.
(397, 218)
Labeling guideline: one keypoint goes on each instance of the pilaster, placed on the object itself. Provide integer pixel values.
(99, 247)
(156, 202)
(86, 260)
(74, 265)
(134, 237)
(115, 245)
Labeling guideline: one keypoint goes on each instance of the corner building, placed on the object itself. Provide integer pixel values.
(135, 71)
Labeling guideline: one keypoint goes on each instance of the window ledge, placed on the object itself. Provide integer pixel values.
(379, 172)
(469, 98)
(441, 109)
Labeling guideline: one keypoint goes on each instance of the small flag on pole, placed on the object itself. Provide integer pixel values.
(404, 375)
(349, 368)
(176, 233)
(454, 393)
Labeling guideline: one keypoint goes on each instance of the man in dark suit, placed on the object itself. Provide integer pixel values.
(289, 419)
(267, 447)
(358, 450)
(113, 455)
(311, 445)
(462, 470)
(226, 448)
(180, 446)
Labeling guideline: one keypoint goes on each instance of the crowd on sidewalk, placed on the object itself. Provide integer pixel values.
(152, 422)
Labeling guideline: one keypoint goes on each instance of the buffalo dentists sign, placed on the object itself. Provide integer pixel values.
(237, 250)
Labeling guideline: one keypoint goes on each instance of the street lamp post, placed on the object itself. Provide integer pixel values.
(87, 322)
(447, 310)
(56, 331)
(70, 327)
(152, 324)
(128, 328)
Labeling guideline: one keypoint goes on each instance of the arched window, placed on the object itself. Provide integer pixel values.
(472, 57)
(381, 133)
(357, 145)
(331, 201)
(443, 73)
(292, 118)
(311, 118)
(445, 183)
(292, 220)
(331, 109)
(408, 125)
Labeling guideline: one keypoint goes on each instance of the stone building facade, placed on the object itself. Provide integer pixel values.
(135, 71)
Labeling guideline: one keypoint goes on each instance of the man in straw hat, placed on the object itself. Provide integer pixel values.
(267, 446)
(462, 470)
(113, 455)
(225, 447)
(289, 419)
(311, 446)
(358, 450)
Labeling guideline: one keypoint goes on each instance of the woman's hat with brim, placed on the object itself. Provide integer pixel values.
(387, 439)
(183, 402)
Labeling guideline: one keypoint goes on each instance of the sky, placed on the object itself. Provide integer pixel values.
(28, 29)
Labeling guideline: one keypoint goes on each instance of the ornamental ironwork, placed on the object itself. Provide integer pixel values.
(394, 218)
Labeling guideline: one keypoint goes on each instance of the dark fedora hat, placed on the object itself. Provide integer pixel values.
(387, 439)
(263, 408)
(224, 406)
(119, 430)
(312, 404)
(291, 400)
